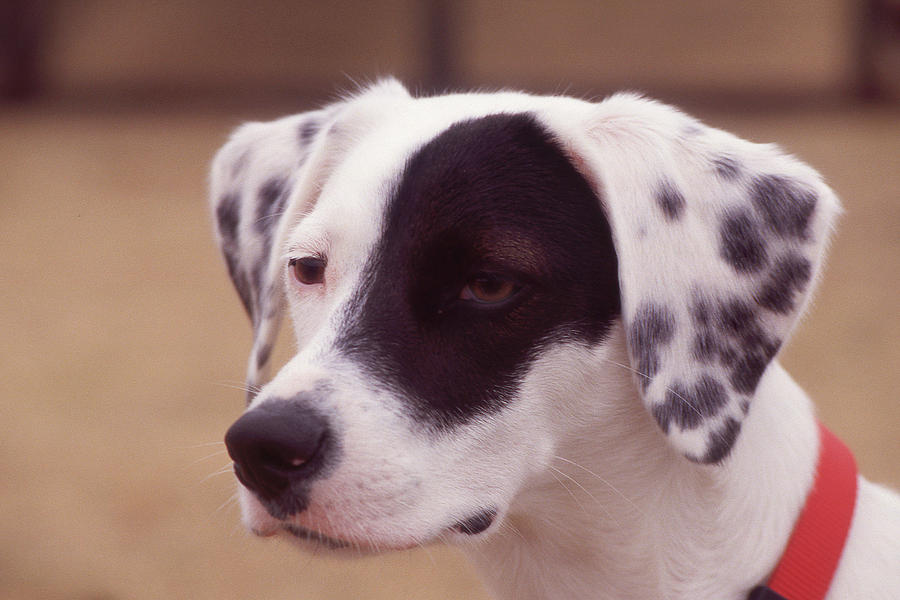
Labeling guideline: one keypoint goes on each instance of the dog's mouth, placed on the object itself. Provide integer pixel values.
(471, 526)
(477, 523)
(358, 547)
(316, 537)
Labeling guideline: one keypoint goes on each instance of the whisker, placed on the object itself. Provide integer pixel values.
(565, 487)
(223, 471)
(270, 216)
(602, 480)
(236, 528)
(204, 445)
(507, 525)
(594, 498)
(668, 389)
(428, 552)
(231, 501)
(207, 457)
(316, 548)
(242, 387)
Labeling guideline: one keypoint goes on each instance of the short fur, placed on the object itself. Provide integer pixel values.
(616, 425)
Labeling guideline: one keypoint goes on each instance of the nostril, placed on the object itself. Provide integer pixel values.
(286, 462)
(275, 445)
(286, 457)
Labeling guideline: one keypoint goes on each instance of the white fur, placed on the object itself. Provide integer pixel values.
(593, 500)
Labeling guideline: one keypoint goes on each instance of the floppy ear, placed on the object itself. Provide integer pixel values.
(251, 182)
(262, 182)
(719, 242)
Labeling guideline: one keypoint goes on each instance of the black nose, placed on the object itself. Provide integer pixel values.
(277, 444)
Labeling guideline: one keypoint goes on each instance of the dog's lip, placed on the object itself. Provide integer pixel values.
(266, 530)
(311, 535)
(266, 525)
(477, 523)
(333, 543)
(473, 526)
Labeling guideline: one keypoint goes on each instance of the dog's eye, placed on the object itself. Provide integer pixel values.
(489, 289)
(308, 270)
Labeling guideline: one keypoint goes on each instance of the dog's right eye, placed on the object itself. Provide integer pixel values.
(489, 290)
(308, 270)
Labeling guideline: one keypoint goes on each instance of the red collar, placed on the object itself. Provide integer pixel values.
(811, 557)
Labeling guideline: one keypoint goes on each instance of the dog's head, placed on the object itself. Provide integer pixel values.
(459, 270)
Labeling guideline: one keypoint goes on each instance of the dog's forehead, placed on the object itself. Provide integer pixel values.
(376, 149)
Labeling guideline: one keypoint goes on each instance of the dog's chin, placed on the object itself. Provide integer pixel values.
(309, 537)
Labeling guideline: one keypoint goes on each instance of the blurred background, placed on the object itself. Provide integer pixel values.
(124, 344)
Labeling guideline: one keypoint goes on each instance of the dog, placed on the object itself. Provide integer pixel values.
(542, 329)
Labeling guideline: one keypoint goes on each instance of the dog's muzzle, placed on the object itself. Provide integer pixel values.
(281, 447)
(278, 449)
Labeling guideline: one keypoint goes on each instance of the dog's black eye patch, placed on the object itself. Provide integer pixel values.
(493, 204)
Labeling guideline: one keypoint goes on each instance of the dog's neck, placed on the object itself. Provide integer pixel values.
(621, 515)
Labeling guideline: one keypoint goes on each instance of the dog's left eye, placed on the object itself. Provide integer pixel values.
(489, 289)
(308, 270)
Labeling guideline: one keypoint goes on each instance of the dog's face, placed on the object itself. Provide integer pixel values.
(457, 267)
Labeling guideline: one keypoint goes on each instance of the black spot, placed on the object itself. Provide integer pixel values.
(491, 195)
(257, 277)
(262, 357)
(741, 243)
(652, 326)
(701, 311)
(747, 371)
(670, 200)
(270, 204)
(660, 413)
(307, 131)
(678, 407)
(228, 216)
(728, 355)
(751, 349)
(756, 340)
(239, 279)
(736, 316)
(790, 275)
(688, 407)
(709, 395)
(785, 205)
(729, 331)
(721, 441)
(705, 347)
(726, 167)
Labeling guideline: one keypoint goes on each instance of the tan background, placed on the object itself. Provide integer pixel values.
(123, 340)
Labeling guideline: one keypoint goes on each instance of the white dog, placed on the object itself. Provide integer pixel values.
(542, 328)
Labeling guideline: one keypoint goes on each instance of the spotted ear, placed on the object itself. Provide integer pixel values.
(719, 242)
(262, 182)
(251, 184)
